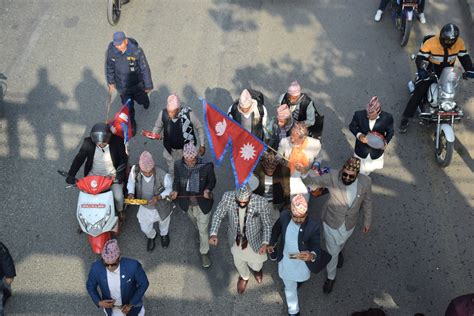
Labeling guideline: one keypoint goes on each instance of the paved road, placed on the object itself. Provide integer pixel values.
(419, 253)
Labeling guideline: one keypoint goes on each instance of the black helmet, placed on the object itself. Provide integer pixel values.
(100, 133)
(449, 35)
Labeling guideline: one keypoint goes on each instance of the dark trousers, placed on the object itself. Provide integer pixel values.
(421, 89)
(140, 97)
(383, 4)
(5, 293)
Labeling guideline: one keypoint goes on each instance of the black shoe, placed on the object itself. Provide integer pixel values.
(165, 241)
(299, 284)
(340, 260)
(134, 127)
(328, 285)
(150, 245)
(146, 105)
(403, 125)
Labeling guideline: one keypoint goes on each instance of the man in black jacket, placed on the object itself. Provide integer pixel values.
(128, 71)
(193, 182)
(7, 274)
(298, 249)
(372, 120)
(103, 153)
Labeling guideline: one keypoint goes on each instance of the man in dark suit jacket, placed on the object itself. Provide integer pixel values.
(195, 180)
(7, 274)
(122, 282)
(371, 120)
(298, 249)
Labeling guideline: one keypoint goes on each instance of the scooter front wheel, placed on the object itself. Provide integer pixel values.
(405, 30)
(113, 11)
(444, 152)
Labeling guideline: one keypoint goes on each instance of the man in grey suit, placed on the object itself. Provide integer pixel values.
(249, 231)
(350, 194)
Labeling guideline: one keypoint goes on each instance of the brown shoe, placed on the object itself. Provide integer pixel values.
(258, 276)
(241, 285)
(122, 217)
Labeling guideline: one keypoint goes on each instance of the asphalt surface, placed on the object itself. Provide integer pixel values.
(419, 253)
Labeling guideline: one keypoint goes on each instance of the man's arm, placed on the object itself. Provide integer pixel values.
(168, 184)
(145, 70)
(131, 180)
(267, 223)
(123, 158)
(176, 179)
(314, 181)
(91, 286)
(389, 131)
(6, 262)
(198, 128)
(354, 126)
(310, 114)
(158, 128)
(367, 204)
(78, 160)
(276, 232)
(142, 282)
(211, 178)
(110, 67)
(218, 216)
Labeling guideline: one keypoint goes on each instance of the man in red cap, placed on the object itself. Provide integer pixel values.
(149, 182)
(122, 283)
(371, 121)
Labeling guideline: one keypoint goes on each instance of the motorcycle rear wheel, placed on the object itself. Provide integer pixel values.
(113, 11)
(405, 30)
(444, 153)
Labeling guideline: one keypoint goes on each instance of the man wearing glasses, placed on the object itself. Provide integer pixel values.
(350, 193)
(122, 283)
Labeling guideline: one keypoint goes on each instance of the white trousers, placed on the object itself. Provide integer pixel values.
(147, 217)
(176, 154)
(335, 241)
(201, 222)
(291, 294)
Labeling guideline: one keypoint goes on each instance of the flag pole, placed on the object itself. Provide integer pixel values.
(275, 151)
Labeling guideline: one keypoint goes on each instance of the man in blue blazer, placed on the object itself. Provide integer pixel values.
(298, 249)
(122, 283)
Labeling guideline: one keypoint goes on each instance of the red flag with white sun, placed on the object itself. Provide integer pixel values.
(223, 132)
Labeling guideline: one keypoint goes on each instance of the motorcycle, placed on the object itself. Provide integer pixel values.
(95, 210)
(114, 9)
(404, 19)
(439, 106)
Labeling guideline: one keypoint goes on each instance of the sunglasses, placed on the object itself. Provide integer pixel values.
(111, 264)
(349, 176)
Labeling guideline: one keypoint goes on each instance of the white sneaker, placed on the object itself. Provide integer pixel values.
(378, 16)
(422, 18)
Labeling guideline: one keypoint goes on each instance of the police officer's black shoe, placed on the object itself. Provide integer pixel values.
(150, 245)
(403, 125)
(146, 105)
(340, 260)
(165, 241)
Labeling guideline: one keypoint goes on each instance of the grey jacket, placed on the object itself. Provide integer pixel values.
(337, 211)
(258, 224)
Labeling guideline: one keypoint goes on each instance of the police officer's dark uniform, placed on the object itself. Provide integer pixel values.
(129, 72)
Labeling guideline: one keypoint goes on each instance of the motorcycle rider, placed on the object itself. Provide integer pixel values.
(440, 51)
(383, 4)
(103, 154)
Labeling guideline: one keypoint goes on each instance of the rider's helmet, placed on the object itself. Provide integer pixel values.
(100, 133)
(449, 35)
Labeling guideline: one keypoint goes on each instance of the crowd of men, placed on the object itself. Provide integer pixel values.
(267, 217)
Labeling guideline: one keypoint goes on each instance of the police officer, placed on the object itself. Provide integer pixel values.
(441, 51)
(128, 71)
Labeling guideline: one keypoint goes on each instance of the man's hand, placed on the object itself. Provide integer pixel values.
(363, 138)
(201, 151)
(207, 194)
(213, 241)
(130, 196)
(106, 303)
(173, 195)
(263, 249)
(126, 308)
(9, 280)
(366, 229)
(148, 91)
(111, 88)
(305, 256)
(300, 167)
(270, 249)
(154, 200)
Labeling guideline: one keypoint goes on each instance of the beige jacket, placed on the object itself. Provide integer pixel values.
(337, 211)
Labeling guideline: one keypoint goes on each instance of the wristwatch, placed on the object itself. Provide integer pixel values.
(314, 256)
